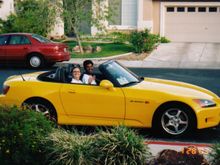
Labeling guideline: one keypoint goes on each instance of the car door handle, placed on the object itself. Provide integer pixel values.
(72, 91)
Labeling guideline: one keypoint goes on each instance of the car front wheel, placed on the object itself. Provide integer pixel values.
(175, 121)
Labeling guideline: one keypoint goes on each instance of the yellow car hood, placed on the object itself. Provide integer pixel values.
(175, 88)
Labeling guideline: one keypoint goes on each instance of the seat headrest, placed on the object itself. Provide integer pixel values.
(60, 74)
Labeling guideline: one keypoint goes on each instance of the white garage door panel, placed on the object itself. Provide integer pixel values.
(192, 27)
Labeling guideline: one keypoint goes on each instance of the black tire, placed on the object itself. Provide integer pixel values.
(35, 61)
(43, 107)
(174, 121)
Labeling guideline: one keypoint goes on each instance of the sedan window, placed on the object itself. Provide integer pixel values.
(3, 40)
(40, 38)
(19, 40)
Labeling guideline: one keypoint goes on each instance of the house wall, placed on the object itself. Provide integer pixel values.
(156, 17)
(6, 7)
(148, 10)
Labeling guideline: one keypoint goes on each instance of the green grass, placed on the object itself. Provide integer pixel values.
(108, 49)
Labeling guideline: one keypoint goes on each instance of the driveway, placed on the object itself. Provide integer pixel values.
(185, 55)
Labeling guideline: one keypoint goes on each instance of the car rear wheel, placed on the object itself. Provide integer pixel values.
(43, 107)
(175, 121)
(35, 61)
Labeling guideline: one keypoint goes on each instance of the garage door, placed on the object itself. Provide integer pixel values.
(192, 23)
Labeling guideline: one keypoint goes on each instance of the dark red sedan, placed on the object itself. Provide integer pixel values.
(35, 50)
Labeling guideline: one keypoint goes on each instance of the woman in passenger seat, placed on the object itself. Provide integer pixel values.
(76, 73)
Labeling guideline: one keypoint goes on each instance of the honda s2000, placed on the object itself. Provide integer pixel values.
(120, 97)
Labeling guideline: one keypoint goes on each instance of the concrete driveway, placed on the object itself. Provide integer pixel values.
(185, 55)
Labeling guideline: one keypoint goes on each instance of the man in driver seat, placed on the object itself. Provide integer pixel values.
(88, 76)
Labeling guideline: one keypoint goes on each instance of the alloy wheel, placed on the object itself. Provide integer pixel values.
(175, 121)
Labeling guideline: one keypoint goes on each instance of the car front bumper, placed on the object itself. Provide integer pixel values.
(208, 117)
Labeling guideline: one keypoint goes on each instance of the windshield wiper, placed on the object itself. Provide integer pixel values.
(141, 78)
(130, 83)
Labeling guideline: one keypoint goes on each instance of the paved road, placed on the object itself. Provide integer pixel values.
(209, 79)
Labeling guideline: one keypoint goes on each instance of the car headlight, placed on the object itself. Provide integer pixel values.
(205, 103)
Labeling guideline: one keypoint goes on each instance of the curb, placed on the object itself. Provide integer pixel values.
(103, 58)
(177, 143)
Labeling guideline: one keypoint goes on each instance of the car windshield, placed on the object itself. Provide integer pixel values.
(120, 74)
(40, 38)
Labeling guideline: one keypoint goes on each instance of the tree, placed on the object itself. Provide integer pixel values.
(94, 12)
(33, 16)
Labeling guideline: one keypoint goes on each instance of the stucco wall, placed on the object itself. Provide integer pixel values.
(156, 17)
(148, 10)
(6, 7)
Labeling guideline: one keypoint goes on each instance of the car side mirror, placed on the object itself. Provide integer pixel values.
(106, 84)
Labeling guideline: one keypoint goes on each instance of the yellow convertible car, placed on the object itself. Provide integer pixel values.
(121, 97)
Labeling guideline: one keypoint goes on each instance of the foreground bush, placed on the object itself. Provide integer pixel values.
(21, 136)
(116, 146)
(215, 154)
(120, 145)
(66, 148)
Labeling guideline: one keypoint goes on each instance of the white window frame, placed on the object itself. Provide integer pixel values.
(124, 27)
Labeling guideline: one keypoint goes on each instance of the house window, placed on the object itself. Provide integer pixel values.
(213, 9)
(125, 13)
(191, 9)
(202, 9)
(180, 9)
(170, 9)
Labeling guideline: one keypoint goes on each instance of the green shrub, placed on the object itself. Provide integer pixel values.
(117, 146)
(215, 154)
(137, 40)
(8, 25)
(21, 136)
(118, 37)
(66, 148)
(143, 41)
(151, 42)
(31, 17)
(120, 145)
(164, 40)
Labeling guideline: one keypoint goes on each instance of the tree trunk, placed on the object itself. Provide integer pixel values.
(78, 41)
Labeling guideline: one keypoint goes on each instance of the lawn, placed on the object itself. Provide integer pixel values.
(108, 49)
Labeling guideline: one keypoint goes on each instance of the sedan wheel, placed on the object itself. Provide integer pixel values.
(35, 61)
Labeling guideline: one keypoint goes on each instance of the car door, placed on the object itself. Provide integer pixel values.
(3, 45)
(18, 47)
(93, 101)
